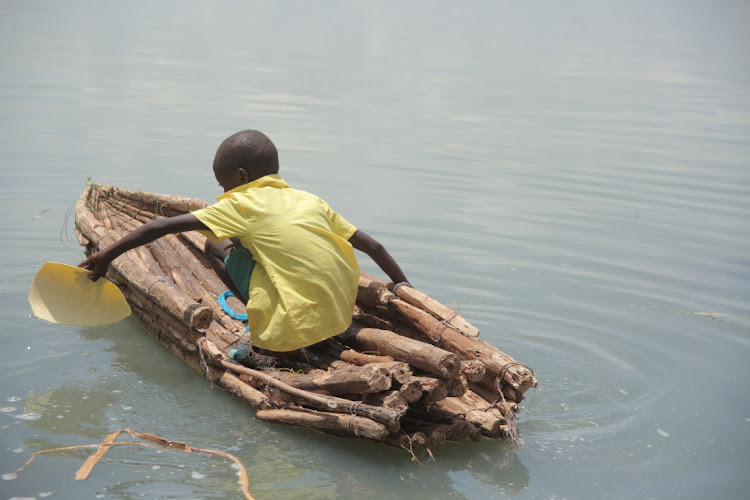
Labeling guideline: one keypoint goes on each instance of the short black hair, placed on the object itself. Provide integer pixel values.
(251, 150)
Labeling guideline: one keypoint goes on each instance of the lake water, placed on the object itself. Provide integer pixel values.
(574, 175)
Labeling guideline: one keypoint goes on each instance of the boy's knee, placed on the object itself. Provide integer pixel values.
(211, 249)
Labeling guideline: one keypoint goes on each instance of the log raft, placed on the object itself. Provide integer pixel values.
(410, 372)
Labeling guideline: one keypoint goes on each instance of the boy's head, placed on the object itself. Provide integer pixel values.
(244, 157)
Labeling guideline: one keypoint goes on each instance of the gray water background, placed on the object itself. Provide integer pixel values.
(574, 175)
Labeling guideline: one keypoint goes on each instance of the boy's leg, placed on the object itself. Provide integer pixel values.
(216, 253)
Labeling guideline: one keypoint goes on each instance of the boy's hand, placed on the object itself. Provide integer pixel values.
(98, 264)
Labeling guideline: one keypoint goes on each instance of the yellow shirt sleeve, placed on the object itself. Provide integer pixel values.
(225, 219)
(341, 227)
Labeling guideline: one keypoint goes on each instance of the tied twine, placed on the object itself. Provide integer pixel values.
(164, 279)
(446, 324)
(353, 413)
(504, 369)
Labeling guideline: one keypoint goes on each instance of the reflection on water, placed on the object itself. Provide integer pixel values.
(574, 178)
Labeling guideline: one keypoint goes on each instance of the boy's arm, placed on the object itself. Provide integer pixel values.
(99, 262)
(379, 255)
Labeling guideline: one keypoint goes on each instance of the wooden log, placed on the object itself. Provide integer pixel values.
(361, 359)
(166, 332)
(195, 263)
(168, 295)
(506, 407)
(357, 380)
(435, 435)
(386, 399)
(407, 441)
(82, 240)
(425, 303)
(386, 416)
(323, 359)
(473, 369)
(371, 317)
(433, 390)
(331, 355)
(169, 262)
(418, 354)
(400, 372)
(196, 240)
(141, 255)
(455, 426)
(462, 429)
(233, 384)
(516, 375)
(341, 425)
(490, 421)
(457, 386)
(411, 390)
(181, 272)
(155, 203)
(373, 293)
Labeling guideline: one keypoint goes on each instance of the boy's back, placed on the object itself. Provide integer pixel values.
(303, 289)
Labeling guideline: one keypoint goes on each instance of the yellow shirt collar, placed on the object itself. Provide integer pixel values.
(272, 180)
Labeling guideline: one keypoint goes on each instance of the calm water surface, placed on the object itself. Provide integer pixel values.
(575, 177)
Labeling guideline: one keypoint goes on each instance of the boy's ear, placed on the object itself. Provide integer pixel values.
(244, 177)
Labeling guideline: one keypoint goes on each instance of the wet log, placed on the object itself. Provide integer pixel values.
(434, 434)
(487, 419)
(456, 427)
(418, 354)
(506, 407)
(516, 375)
(406, 441)
(177, 328)
(341, 425)
(386, 416)
(233, 384)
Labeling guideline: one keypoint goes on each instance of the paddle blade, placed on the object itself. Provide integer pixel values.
(65, 295)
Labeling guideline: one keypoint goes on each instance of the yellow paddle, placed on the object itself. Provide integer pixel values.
(65, 295)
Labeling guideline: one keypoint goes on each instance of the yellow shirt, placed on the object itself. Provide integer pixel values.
(304, 284)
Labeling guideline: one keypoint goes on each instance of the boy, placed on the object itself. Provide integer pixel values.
(303, 288)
